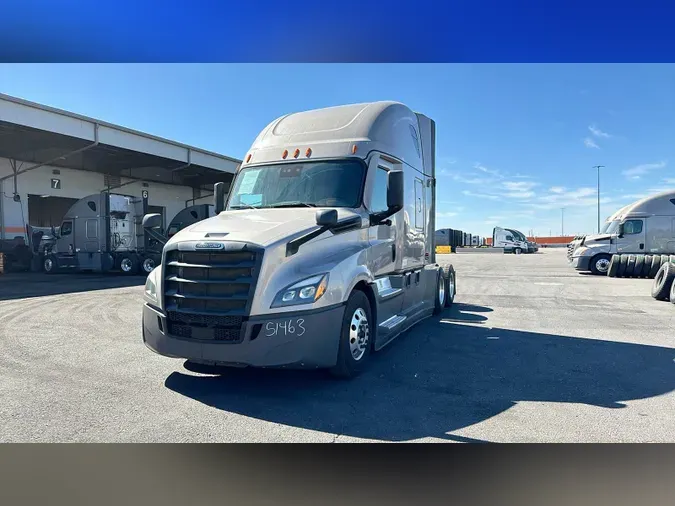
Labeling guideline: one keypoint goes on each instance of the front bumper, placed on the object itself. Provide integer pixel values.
(302, 339)
(581, 263)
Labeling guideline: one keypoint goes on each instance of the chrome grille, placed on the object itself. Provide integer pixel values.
(207, 296)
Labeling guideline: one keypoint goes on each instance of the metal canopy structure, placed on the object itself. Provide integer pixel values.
(33, 135)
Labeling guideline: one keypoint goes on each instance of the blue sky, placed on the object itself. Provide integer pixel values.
(515, 143)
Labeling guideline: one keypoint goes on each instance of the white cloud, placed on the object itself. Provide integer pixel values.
(522, 195)
(598, 133)
(483, 168)
(480, 195)
(640, 170)
(590, 143)
(581, 197)
(669, 180)
(519, 185)
(557, 189)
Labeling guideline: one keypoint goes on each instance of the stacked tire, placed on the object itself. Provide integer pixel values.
(664, 283)
(638, 266)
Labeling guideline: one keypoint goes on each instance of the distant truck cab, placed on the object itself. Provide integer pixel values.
(323, 253)
(512, 241)
(646, 227)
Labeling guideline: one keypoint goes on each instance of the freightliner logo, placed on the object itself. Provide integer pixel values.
(209, 245)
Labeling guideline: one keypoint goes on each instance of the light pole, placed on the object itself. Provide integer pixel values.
(598, 167)
(562, 221)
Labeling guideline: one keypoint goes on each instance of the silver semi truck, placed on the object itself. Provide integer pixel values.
(511, 240)
(103, 232)
(323, 253)
(646, 227)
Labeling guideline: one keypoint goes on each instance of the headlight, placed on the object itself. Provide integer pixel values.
(150, 292)
(306, 291)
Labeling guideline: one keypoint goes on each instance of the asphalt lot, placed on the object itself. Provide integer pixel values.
(531, 352)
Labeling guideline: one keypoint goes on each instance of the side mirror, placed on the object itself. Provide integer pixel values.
(620, 231)
(395, 195)
(153, 220)
(327, 218)
(219, 197)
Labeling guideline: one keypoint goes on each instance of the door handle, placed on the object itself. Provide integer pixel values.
(393, 252)
(642, 245)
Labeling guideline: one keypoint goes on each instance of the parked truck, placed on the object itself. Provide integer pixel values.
(645, 229)
(323, 253)
(511, 240)
(103, 232)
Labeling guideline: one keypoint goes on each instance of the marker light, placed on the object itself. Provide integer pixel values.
(248, 158)
(284, 154)
(308, 153)
(354, 149)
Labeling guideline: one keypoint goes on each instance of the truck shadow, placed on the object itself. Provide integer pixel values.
(440, 377)
(38, 284)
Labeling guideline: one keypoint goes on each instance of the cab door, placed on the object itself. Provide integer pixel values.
(632, 240)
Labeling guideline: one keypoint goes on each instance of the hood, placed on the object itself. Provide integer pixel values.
(258, 226)
(597, 238)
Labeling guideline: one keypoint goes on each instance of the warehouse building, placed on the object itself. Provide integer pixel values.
(50, 158)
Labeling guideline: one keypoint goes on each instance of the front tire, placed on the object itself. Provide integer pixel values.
(355, 337)
(50, 265)
(600, 264)
(517, 251)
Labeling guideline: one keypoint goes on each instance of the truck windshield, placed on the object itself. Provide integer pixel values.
(302, 184)
(612, 227)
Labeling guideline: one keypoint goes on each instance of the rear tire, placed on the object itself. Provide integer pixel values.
(672, 292)
(451, 280)
(630, 266)
(639, 265)
(600, 264)
(622, 266)
(128, 264)
(614, 266)
(663, 281)
(355, 337)
(148, 264)
(656, 265)
(441, 292)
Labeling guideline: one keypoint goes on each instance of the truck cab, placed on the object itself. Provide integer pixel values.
(322, 253)
(511, 240)
(646, 227)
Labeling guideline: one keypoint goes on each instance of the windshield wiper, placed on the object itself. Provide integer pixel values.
(292, 204)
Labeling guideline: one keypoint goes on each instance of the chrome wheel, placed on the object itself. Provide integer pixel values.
(148, 265)
(602, 265)
(49, 265)
(441, 290)
(359, 334)
(126, 265)
(451, 287)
